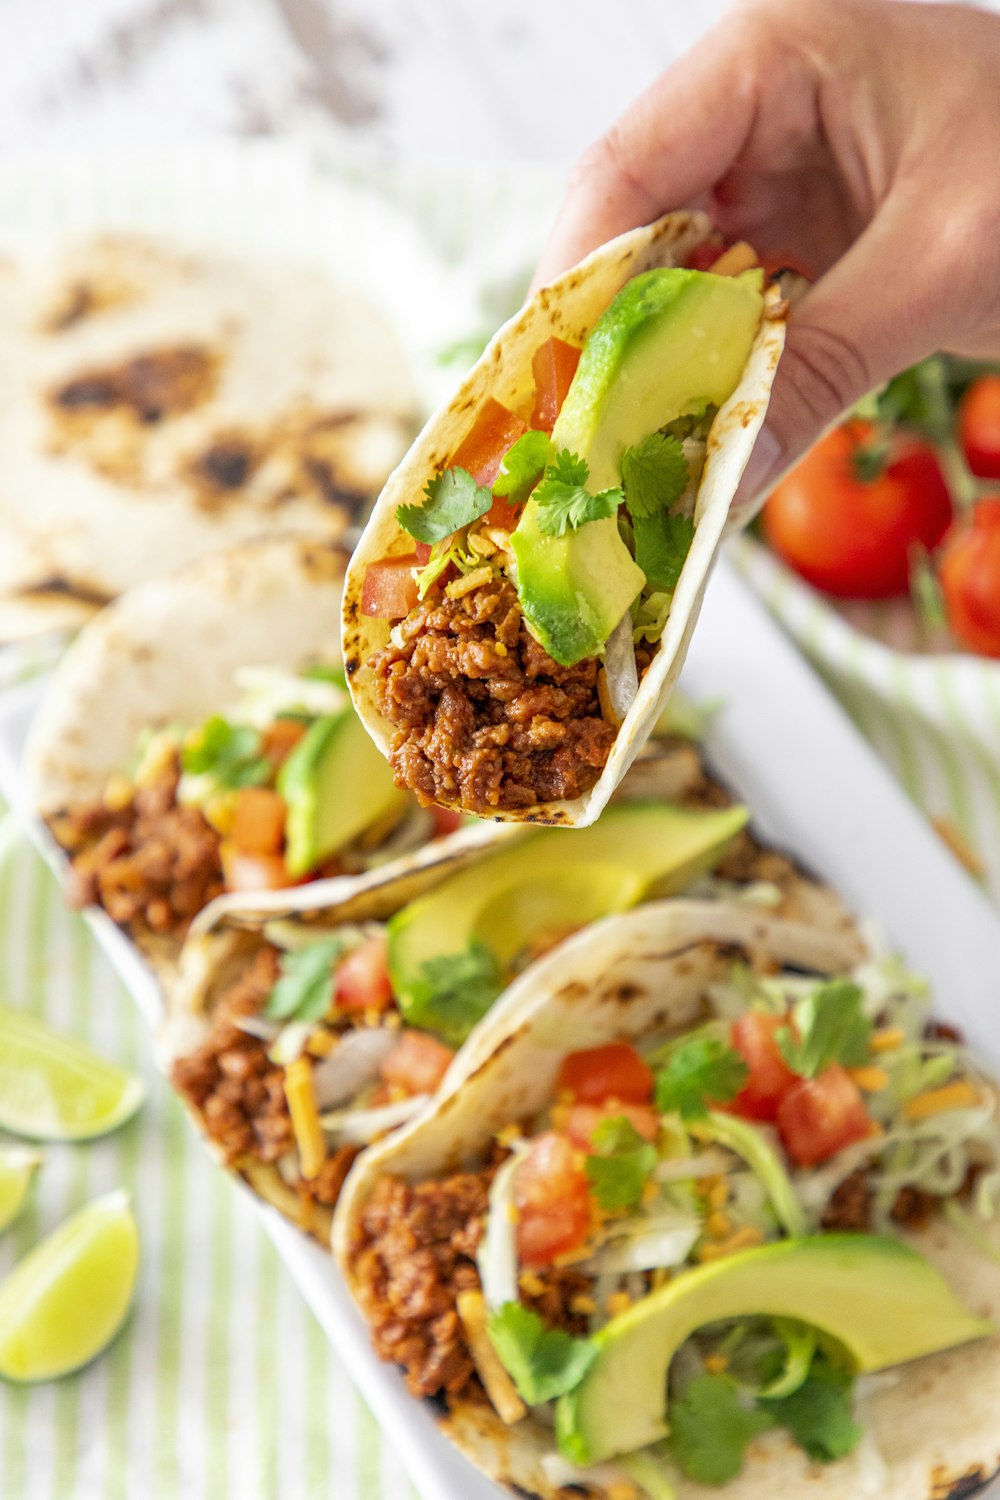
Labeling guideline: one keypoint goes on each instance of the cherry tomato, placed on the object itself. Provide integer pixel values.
(755, 1037)
(446, 820)
(552, 1197)
(258, 821)
(970, 579)
(615, 1071)
(389, 591)
(979, 426)
(495, 429)
(253, 872)
(417, 1063)
(585, 1118)
(853, 536)
(553, 366)
(820, 1116)
(363, 981)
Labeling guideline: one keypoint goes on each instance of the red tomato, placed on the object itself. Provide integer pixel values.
(979, 426)
(553, 366)
(970, 579)
(755, 1038)
(820, 1116)
(585, 1118)
(253, 872)
(853, 536)
(363, 981)
(417, 1063)
(552, 1197)
(612, 1072)
(446, 820)
(704, 256)
(487, 440)
(258, 821)
(389, 591)
(280, 739)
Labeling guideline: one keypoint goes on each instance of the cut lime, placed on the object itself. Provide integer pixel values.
(17, 1166)
(66, 1300)
(53, 1088)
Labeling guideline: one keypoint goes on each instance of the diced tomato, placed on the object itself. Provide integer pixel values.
(704, 256)
(253, 872)
(446, 820)
(755, 1038)
(553, 366)
(363, 981)
(502, 513)
(258, 821)
(552, 1197)
(389, 591)
(585, 1118)
(280, 739)
(820, 1116)
(495, 429)
(423, 553)
(417, 1063)
(615, 1071)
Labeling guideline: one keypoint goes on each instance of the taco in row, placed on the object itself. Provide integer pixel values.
(520, 603)
(717, 1209)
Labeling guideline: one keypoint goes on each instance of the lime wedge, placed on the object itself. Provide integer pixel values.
(66, 1300)
(17, 1166)
(53, 1088)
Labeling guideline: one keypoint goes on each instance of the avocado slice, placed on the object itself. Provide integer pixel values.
(555, 878)
(671, 342)
(336, 784)
(879, 1300)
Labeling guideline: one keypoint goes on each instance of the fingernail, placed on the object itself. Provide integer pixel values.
(764, 464)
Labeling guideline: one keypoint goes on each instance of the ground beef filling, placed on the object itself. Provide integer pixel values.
(484, 717)
(239, 1094)
(414, 1250)
(151, 864)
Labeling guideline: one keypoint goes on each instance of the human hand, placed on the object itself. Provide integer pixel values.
(857, 140)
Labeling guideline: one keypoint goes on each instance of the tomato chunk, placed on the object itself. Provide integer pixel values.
(253, 872)
(703, 257)
(446, 820)
(363, 981)
(553, 366)
(615, 1071)
(389, 591)
(480, 452)
(280, 739)
(755, 1038)
(258, 821)
(585, 1118)
(979, 426)
(552, 1197)
(820, 1116)
(417, 1063)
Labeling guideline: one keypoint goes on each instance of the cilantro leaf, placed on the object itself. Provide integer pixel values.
(304, 991)
(830, 1027)
(662, 543)
(454, 499)
(453, 992)
(655, 473)
(230, 753)
(819, 1414)
(566, 503)
(542, 1362)
(621, 1166)
(700, 1072)
(521, 465)
(710, 1430)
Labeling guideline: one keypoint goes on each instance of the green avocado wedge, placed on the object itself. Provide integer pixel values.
(880, 1301)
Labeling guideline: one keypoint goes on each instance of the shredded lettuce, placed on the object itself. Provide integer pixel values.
(750, 1142)
(497, 1256)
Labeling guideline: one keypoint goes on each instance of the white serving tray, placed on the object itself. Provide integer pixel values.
(816, 788)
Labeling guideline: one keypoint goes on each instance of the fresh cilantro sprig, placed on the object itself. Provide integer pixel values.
(698, 1074)
(230, 753)
(655, 475)
(711, 1429)
(830, 1027)
(621, 1166)
(304, 992)
(542, 1362)
(819, 1415)
(454, 500)
(454, 992)
(565, 502)
(521, 465)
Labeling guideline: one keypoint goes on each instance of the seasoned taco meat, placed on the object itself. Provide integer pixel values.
(484, 717)
(149, 862)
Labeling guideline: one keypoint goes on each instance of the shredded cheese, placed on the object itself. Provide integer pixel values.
(959, 845)
(306, 1124)
(716, 1364)
(732, 262)
(459, 587)
(497, 1383)
(719, 1224)
(958, 1095)
(744, 1239)
(870, 1079)
(321, 1043)
(888, 1039)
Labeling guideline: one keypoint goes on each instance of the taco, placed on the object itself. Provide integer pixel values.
(198, 739)
(298, 1037)
(520, 603)
(160, 404)
(715, 1208)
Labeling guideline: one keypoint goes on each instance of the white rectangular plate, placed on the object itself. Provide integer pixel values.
(817, 789)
